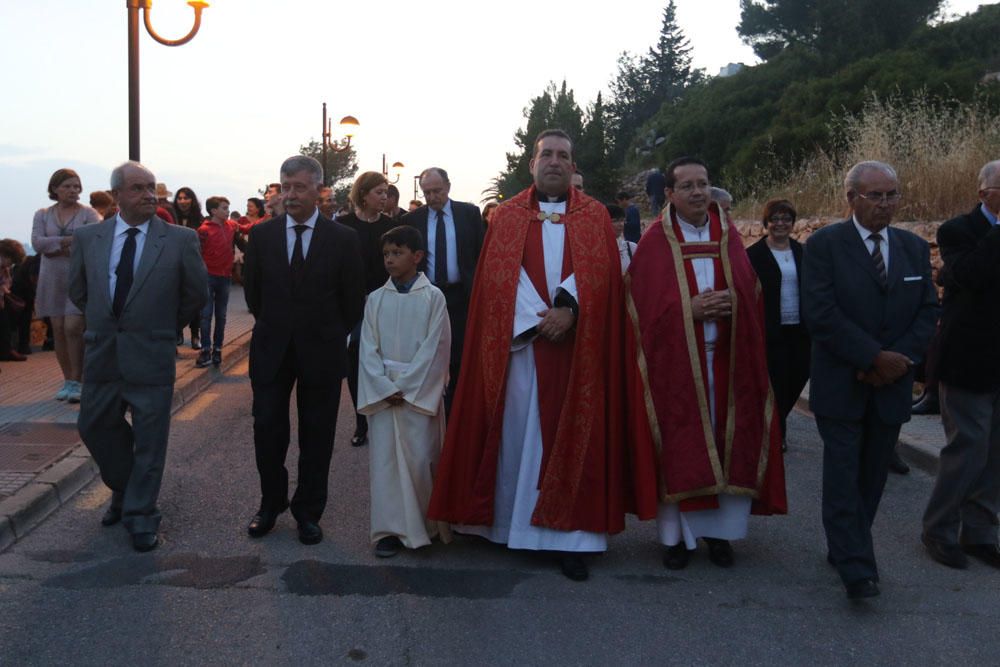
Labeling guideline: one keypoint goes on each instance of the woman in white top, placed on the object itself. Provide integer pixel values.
(52, 238)
(777, 259)
(625, 248)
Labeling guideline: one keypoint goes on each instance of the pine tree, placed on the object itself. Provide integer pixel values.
(339, 166)
(592, 153)
(643, 85)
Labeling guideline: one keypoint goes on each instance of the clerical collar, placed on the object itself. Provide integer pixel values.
(542, 197)
(404, 287)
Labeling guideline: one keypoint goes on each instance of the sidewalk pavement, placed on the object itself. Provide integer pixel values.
(43, 463)
(920, 440)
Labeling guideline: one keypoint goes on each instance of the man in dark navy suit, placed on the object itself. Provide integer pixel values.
(303, 283)
(871, 309)
(961, 516)
(453, 232)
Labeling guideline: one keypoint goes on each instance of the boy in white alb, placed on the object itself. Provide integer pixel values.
(404, 355)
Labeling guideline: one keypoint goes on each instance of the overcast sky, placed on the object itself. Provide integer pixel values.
(440, 83)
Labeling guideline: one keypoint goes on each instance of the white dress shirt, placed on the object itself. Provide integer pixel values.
(870, 245)
(450, 240)
(116, 250)
(306, 235)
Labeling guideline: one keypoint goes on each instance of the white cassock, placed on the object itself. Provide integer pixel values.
(520, 459)
(405, 347)
(729, 521)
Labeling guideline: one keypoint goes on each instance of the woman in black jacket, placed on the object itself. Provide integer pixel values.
(777, 259)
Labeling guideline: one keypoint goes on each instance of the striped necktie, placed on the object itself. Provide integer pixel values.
(877, 256)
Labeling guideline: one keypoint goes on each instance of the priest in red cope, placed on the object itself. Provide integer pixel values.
(706, 445)
(532, 456)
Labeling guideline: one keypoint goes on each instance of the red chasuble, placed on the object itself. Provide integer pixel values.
(675, 455)
(580, 379)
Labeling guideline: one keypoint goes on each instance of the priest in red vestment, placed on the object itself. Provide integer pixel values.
(705, 445)
(533, 453)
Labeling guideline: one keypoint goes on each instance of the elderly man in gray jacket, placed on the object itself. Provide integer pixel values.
(135, 277)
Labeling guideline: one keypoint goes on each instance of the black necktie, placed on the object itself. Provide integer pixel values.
(124, 272)
(298, 259)
(440, 252)
(877, 256)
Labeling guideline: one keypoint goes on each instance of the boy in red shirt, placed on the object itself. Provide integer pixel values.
(218, 235)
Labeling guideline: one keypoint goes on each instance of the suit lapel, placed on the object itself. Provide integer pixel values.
(897, 259)
(150, 253)
(315, 244)
(105, 239)
(423, 215)
(857, 250)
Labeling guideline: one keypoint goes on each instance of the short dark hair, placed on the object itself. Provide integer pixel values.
(778, 206)
(615, 211)
(623, 195)
(668, 173)
(213, 203)
(404, 236)
(59, 177)
(552, 132)
(101, 198)
(258, 202)
(276, 186)
(393, 192)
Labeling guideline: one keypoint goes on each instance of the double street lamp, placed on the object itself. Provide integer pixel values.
(133, 59)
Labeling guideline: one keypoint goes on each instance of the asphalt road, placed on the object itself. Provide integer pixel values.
(75, 593)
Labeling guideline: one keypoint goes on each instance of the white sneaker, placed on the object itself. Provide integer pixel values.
(64, 392)
(73, 396)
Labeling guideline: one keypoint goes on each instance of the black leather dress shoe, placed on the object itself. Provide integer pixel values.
(988, 553)
(946, 554)
(897, 464)
(574, 567)
(112, 515)
(865, 588)
(720, 552)
(310, 532)
(143, 542)
(676, 557)
(262, 523)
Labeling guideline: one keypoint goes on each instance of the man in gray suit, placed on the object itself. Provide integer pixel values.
(871, 308)
(961, 516)
(135, 278)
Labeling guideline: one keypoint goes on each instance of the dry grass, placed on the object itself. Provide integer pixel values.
(936, 148)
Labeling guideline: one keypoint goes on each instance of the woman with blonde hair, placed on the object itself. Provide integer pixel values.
(52, 238)
(368, 196)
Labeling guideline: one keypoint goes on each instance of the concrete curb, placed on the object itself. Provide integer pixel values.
(920, 454)
(55, 486)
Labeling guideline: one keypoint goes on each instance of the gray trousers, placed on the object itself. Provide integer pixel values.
(131, 457)
(963, 506)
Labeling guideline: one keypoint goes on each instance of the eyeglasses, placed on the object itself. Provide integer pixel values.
(782, 217)
(878, 197)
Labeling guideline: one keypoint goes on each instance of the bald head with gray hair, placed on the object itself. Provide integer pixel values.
(118, 173)
(989, 175)
(858, 171)
(299, 163)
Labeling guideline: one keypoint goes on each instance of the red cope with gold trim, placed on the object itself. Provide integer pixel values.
(675, 455)
(580, 378)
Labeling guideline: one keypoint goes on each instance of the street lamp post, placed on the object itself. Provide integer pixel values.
(416, 180)
(348, 126)
(395, 165)
(133, 59)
